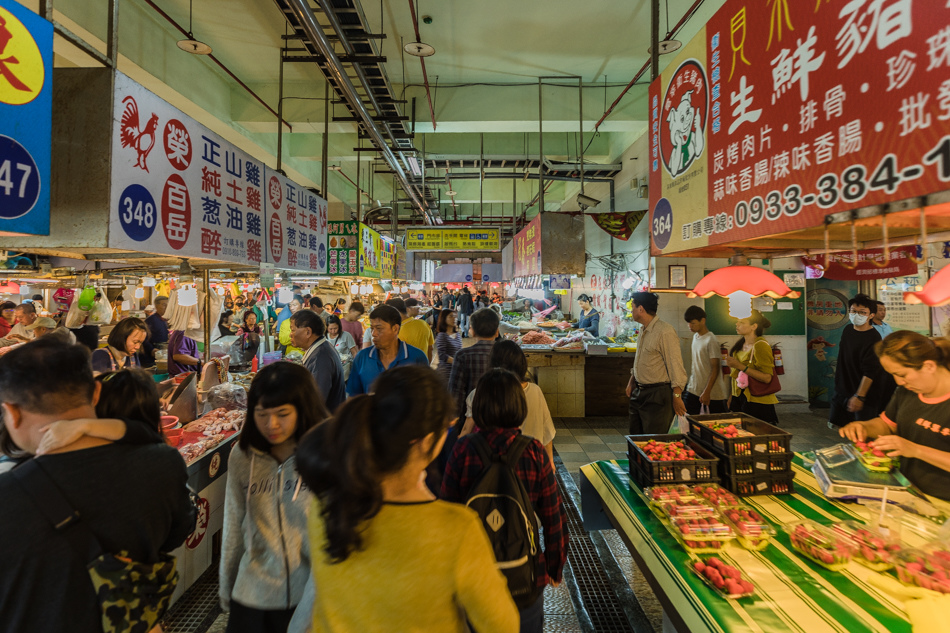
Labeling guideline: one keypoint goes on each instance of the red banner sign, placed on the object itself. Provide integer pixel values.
(870, 264)
(527, 249)
(779, 113)
(619, 225)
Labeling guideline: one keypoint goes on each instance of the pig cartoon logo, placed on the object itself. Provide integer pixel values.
(684, 115)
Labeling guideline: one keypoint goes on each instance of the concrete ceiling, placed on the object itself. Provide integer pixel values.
(483, 76)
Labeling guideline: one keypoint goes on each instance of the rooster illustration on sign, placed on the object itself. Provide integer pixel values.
(141, 140)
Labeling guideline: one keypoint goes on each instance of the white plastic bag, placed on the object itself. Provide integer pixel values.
(679, 425)
(101, 313)
(76, 317)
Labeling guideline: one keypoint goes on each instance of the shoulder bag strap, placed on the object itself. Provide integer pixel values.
(47, 497)
(517, 448)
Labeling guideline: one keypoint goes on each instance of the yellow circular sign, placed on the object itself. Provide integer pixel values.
(22, 72)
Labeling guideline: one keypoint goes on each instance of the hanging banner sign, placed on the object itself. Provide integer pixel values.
(387, 253)
(475, 238)
(619, 225)
(297, 225)
(369, 249)
(343, 251)
(527, 250)
(779, 113)
(870, 264)
(26, 111)
(179, 189)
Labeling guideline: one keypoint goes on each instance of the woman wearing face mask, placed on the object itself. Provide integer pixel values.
(752, 354)
(265, 553)
(914, 426)
(387, 555)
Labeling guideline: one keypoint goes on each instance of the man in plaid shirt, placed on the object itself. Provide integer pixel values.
(499, 409)
(471, 363)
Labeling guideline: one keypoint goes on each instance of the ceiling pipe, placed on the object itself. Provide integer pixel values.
(218, 62)
(422, 60)
(683, 20)
(311, 27)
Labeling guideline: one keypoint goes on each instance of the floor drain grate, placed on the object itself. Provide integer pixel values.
(600, 601)
(198, 607)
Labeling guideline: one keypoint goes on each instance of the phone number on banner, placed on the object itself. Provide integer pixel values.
(850, 186)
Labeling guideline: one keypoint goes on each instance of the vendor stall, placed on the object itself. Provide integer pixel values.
(791, 592)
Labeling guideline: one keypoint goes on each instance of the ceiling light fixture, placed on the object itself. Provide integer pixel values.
(451, 193)
(191, 45)
(419, 49)
(740, 283)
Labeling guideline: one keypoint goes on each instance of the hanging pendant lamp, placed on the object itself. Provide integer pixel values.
(740, 283)
(191, 45)
(936, 292)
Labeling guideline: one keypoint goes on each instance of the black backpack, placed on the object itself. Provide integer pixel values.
(504, 506)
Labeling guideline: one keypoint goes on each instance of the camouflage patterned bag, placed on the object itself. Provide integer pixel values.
(132, 596)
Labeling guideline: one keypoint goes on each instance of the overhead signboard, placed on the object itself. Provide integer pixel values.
(180, 189)
(779, 113)
(387, 253)
(527, 249)
(474, 238)
(296, 225)
(370, 252)
(26, 106)
(870, 264)
(343, 250)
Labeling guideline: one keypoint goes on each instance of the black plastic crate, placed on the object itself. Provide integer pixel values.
(767, 438)
(703, 469)
(775, 463)
(768, 484)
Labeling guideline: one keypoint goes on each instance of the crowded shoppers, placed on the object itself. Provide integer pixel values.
(448, 342)
(351, 323)
(7, 317)
(658, 377)
(465, 308)
(705, 388)
(862, 387)
(499, 409)
(132, 499)
(316, 304)
(911, 426)
(157, 329)
(124, 342)
(412, 330)
(878, 320)
(224, 320)
(472, 362)
(25, 314)
(538, 423)
(387, 556)
(284, 331)
(265, 552)
(248, 337)
(752, 355)
(589, 319)
(386, 352)
(308, 333)
(343, 343)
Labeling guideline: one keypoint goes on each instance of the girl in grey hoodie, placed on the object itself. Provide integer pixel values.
(265, 555)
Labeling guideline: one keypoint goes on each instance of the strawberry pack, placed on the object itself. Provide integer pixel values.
(832, 550)
(928, 567)
(725, 579)
(873, 458)
(752, 531)
(871, 549)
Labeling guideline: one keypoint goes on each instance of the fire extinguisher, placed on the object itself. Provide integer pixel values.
(779, 365)
(726, 370)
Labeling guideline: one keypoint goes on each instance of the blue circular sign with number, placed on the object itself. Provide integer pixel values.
(468, 277)
(484, 277)
(19, 179)
(662, 223)
(137, 213)
(322, 255)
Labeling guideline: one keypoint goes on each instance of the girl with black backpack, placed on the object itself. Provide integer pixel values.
(473, 476)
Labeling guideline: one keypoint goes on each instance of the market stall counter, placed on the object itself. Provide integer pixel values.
(789, 591)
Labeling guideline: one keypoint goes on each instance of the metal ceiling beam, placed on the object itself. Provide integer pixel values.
(314, 31)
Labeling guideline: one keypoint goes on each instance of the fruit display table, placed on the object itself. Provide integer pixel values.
(792, 593)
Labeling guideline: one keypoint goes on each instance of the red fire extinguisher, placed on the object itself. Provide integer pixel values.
(779, 365)
(725, 354)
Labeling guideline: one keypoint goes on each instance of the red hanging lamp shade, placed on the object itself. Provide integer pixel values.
(935, 292)
(739, 284)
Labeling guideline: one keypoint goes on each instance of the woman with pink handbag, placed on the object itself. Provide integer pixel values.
(754, 381)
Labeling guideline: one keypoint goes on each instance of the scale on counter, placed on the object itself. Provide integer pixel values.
(841, 476)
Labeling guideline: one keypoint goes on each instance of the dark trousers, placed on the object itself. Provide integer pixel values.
(532, 618)
(764, 412)
(840, 416)
(250, 620)
(651, 410)
(693, 405)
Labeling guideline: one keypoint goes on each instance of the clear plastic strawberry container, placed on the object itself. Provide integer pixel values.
(927, 567)
(716, 495)
(871, 548)
(874, 459)
(687, 508)
(832, 550)
(727, 581)
(752, 531)
(672, 492)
